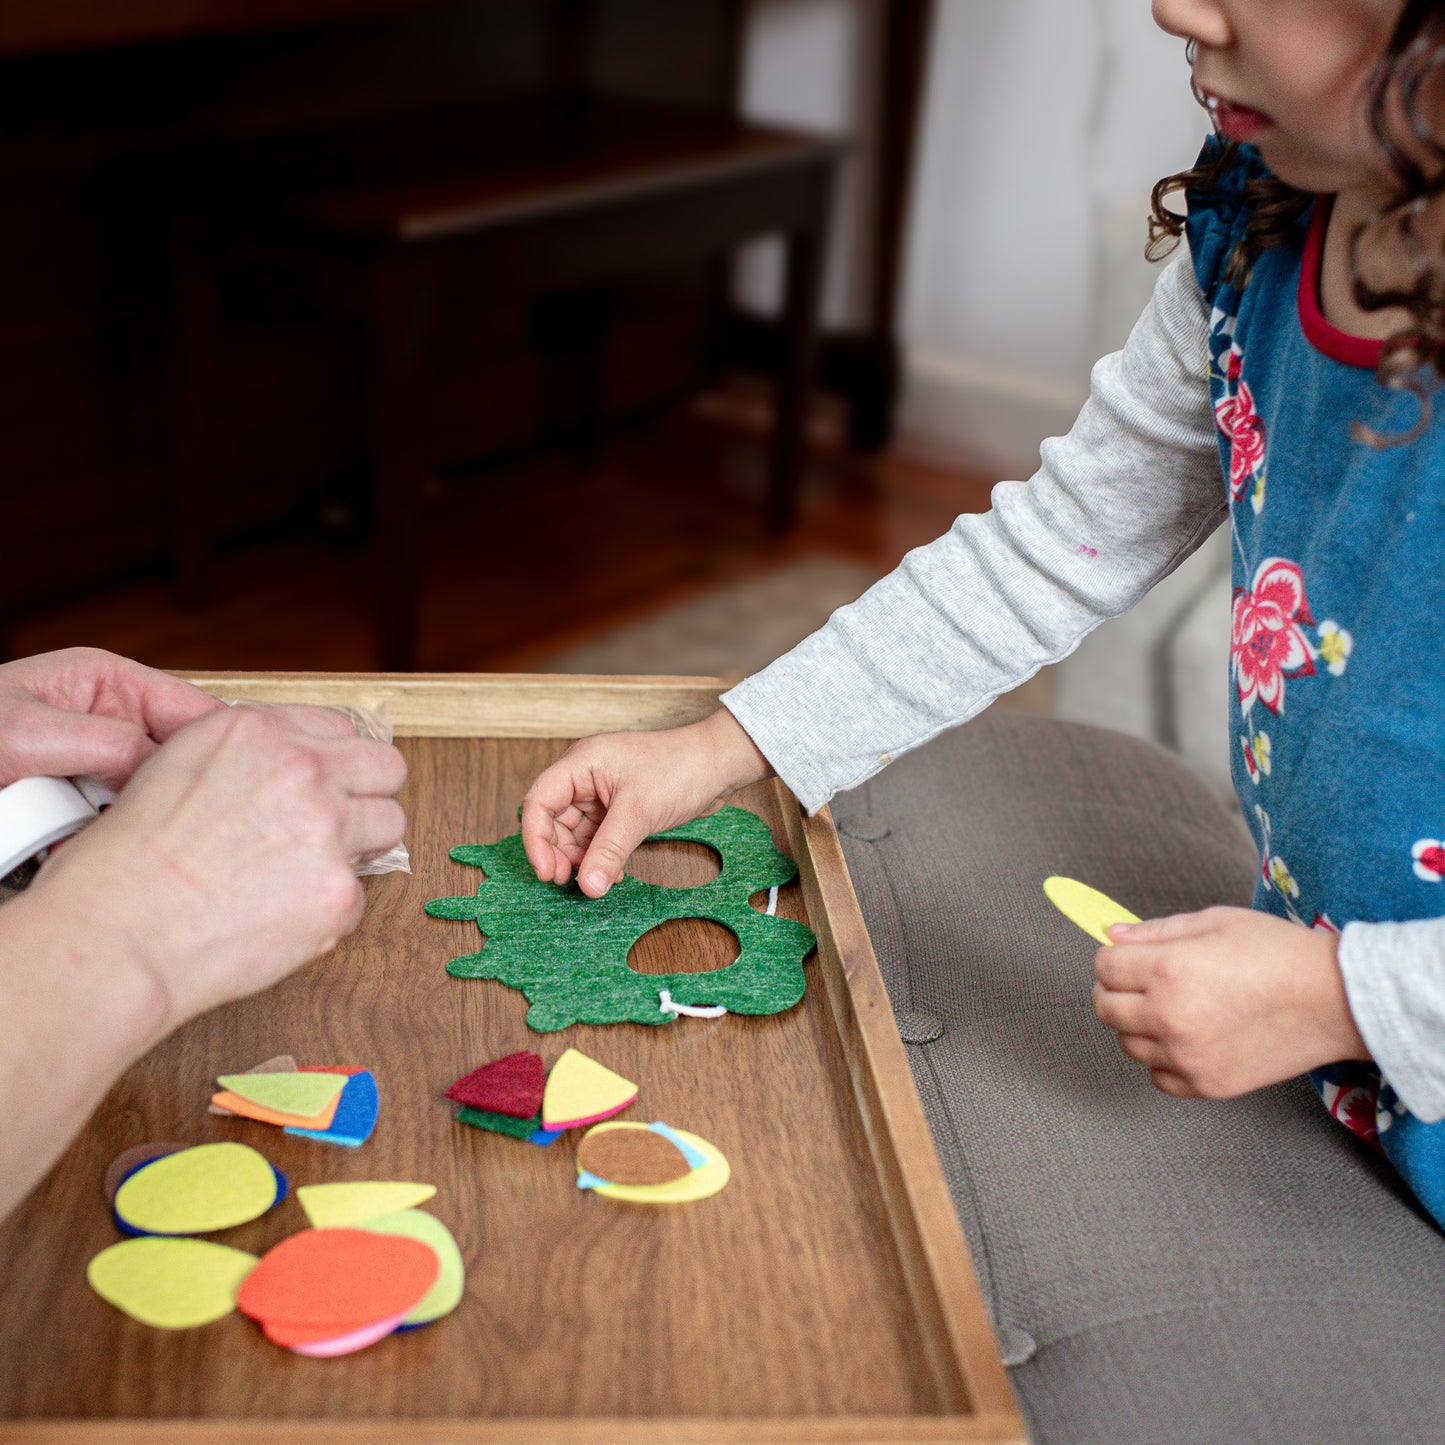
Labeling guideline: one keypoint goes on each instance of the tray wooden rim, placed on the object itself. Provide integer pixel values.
(972, 1384)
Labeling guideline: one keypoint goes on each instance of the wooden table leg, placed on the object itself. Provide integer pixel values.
(400, 326)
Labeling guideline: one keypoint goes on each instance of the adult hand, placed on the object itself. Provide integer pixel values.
(228, 860)
(606, 794)
(84, 711)
(1221, 1002)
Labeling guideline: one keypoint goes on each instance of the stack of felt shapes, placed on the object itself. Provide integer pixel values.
(333, 1105)
(515, 1095)
(195, 1191)
(373, 1264)
(505, 1096)
(161, 1193)
(649, 1164)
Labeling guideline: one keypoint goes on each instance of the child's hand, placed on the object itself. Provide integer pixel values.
(1217, 1003)
(606, 794)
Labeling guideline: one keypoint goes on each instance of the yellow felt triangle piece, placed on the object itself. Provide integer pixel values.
(1093, 911)
(303, 1094)
(194, 1191)
(581, 1091)
(171, 1284)
(340, 1206)
(699, 1183)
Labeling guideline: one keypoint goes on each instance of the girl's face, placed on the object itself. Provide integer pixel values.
(1290, 77)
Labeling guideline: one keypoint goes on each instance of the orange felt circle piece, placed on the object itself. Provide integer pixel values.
(338, 1277)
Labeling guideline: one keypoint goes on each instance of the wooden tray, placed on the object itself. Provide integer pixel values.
(826, 1295)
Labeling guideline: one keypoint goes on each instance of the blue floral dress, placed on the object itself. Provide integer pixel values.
(1337, 698)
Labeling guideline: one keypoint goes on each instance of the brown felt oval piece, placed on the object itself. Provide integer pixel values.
(131, 1160)
(632, 1156)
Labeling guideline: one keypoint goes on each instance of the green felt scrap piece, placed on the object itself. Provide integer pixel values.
(500, 1123)
(568, 953)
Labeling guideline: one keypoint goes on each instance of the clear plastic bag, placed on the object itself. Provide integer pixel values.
(371, 720)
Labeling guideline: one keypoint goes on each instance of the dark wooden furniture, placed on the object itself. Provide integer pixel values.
(90, 92)
(413, 223)
(826, 1295)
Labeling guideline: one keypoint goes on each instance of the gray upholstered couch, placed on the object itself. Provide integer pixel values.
(1158, 1270)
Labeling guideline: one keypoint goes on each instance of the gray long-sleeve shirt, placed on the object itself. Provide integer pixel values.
(1116, 505)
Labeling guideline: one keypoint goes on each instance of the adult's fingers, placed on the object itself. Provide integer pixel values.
(91, 680)
(365, 768)
(39, 740)
(372, 825)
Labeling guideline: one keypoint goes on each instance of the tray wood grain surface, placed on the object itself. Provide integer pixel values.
(825, 1295)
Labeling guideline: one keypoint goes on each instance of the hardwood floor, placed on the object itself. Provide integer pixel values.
(536, 555)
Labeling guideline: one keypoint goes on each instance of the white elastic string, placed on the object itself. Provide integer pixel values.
(694, 1011)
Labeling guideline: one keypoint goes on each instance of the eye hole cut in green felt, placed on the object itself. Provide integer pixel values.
(568, 953)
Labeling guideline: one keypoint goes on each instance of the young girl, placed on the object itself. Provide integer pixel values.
(1291, 344)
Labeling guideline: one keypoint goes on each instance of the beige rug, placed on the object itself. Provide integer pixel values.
(739, 628)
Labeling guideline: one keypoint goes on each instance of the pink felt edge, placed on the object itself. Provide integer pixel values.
(349, 1344)
(591, 1118)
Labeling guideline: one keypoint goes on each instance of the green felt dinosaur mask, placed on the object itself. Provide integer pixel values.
(568, 953)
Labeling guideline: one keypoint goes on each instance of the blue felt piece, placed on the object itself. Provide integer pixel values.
(544, 1137)
(588, 1180)
(356, 1114)
(694, 1156)
(283, 1187)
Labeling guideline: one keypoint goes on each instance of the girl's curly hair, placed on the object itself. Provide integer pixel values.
(1415, 53)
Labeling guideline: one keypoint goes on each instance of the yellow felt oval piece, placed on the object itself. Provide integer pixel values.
(213, 1186)
(342, 1206)
(1093, 911)
(699, 1183)
(170, 1284)
(301, 1093)
(446, 1294)
(581, 1091)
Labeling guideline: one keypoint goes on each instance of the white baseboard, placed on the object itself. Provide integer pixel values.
(980, 416)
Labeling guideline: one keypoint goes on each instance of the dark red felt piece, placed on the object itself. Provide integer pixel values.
(513, 1085)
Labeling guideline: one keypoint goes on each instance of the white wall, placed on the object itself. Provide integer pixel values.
(1047, 121)
(809, 63)
(1045, 124)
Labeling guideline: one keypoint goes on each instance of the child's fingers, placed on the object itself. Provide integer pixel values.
(1145, 1050)
(1176, 1085)
(1158, 930)
(618, 835)
(1123, 968)
(1125, 1013)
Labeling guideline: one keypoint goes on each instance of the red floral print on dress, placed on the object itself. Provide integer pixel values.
(1428, 855)
(1355, 1109)
(1267, 640)
(1237, 418)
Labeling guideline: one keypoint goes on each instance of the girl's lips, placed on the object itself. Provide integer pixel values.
(1237, 122)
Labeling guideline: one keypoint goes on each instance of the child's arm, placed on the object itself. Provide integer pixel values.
(1116, 505)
